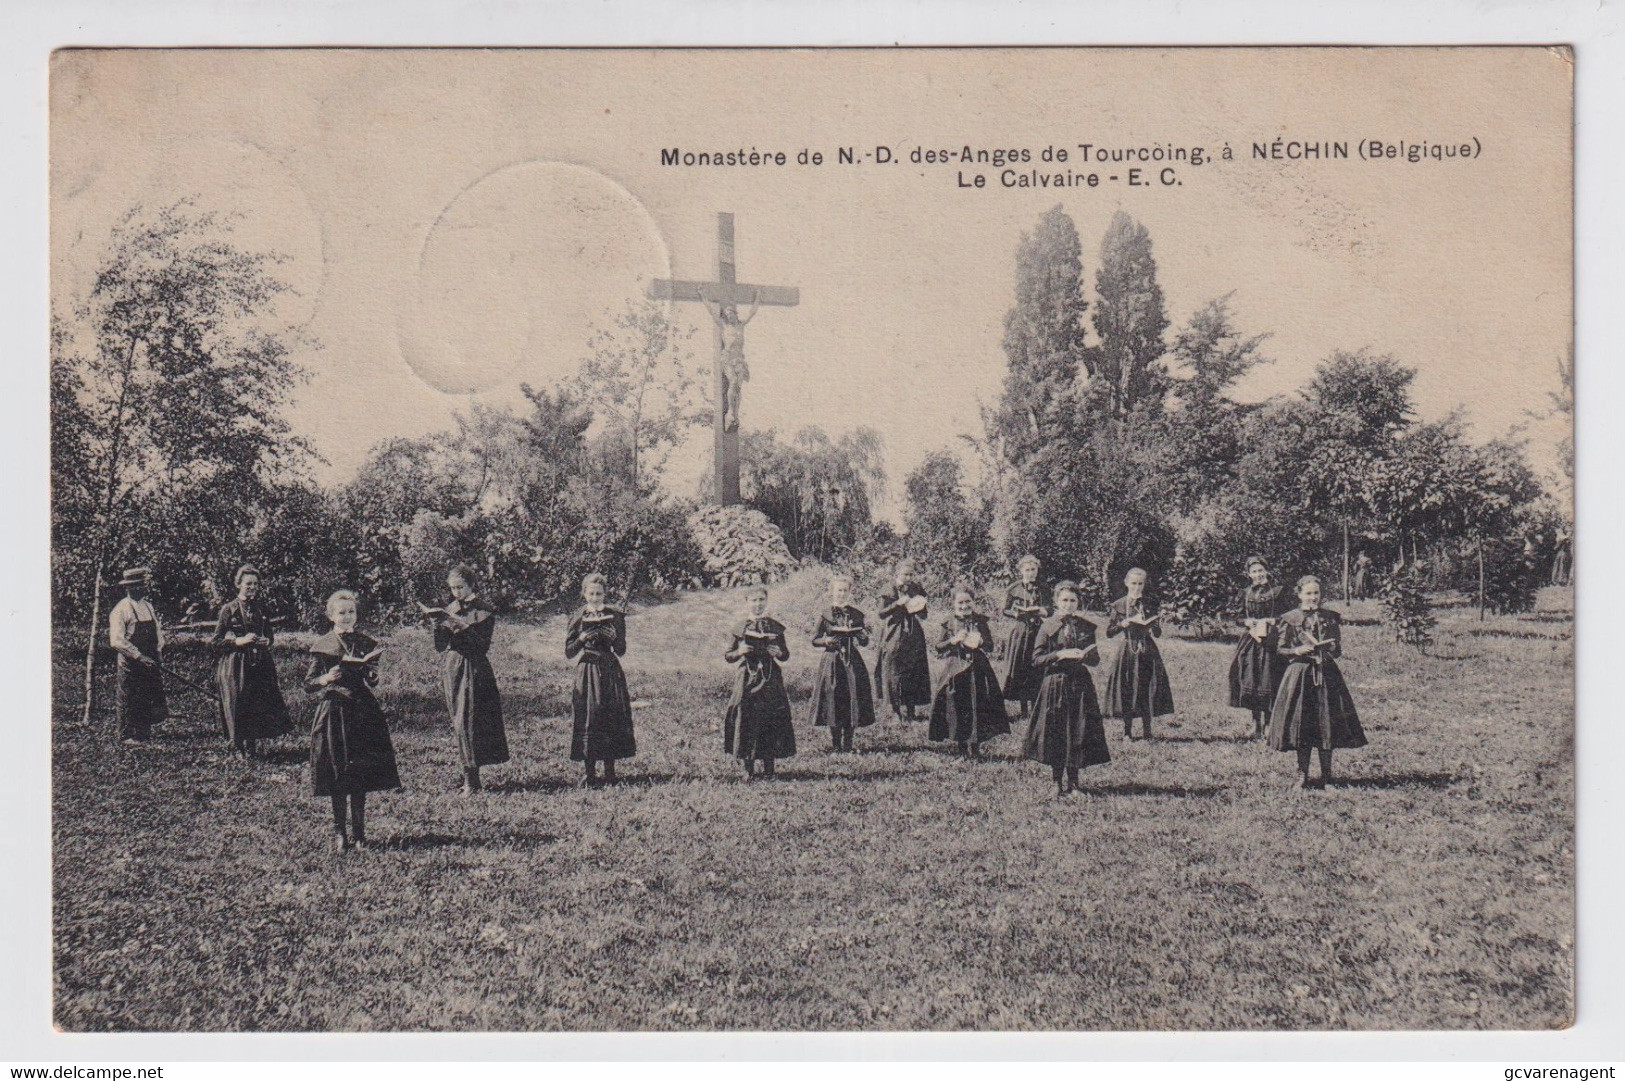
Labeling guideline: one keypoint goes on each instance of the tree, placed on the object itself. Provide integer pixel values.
(1130, 321)
(640, 378)
(1563, 406)
(819, 491)
(1361, 404)
(180, 386)
(947, 535)
(1043, 339)
(1089, 511)
(1204, 434)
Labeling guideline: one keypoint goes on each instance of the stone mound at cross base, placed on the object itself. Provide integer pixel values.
(740, 546)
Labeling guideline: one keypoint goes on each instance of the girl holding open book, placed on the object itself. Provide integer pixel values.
(1137, 686)
(1313, 708)
(902, 670)
(842, 699)
(1027, 603)
(462, 631)
(351, 753)
(251, 704)
(596, 640)
(1256, 669)
(757, 725)
(1066, 733)
(968, 706)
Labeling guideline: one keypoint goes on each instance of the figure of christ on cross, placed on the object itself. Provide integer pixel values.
(731, 355)
(723, 299)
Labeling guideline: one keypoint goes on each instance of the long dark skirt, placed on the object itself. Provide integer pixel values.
(902, 671)
(757, 723)
(251, 703)
(1311, 712)
(1255, 673)
(1018, 679)
(841, 697)
(350, 748)
(968, 706)
(603, 712)
(1066, 728)
(1138, 683)
(476, 710)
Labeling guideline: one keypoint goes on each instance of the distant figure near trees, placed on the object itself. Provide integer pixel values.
(136, 636)
(251, 704)
(1313, 709)
(1563, 559)
(462, 631)
(902, 668)
(1362, 577)
(596, 641)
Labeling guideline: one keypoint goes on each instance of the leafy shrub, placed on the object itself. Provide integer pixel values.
(1197, 592)
(1511, 577)
(1406, 609)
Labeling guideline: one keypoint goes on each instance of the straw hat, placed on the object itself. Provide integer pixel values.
(136, 576)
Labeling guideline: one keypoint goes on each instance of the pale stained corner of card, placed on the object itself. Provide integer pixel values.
(1131, 490)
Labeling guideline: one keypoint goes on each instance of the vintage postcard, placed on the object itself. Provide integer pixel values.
(979, 539)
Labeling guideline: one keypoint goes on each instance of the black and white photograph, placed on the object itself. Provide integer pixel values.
(812, 540)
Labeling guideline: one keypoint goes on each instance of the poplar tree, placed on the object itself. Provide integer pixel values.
(1130, 321)
(1043, 340)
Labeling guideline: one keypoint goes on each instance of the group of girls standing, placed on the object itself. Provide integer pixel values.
(1284, 671)
(351, 753)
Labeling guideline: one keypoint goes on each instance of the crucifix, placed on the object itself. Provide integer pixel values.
(722, 299)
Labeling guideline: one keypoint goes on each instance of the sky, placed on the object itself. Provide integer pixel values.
(456, 223)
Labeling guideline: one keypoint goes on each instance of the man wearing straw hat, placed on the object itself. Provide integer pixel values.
(135, 636)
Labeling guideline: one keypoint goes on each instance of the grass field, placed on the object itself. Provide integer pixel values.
(898, 888)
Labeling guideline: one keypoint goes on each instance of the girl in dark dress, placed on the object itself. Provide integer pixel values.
(596, 640)
(841, 699)
(1066, 733)
(1255, 671)
(1313, 708)
(351, 753)
(967, 706)
(251, 705)
(1027, 603)
(462, 631)
(757, 726)
(902, 670)
(1138, 683)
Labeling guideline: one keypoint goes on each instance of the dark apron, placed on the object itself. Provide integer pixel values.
(141, 702)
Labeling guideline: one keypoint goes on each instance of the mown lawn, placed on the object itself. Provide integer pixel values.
(899, 888)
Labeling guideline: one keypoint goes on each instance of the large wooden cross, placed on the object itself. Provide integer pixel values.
(723, 298)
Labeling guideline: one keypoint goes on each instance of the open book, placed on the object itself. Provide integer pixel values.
(370, 658)
(1315, 643)
(432, 613)
(598, 617)
(1140, 621)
